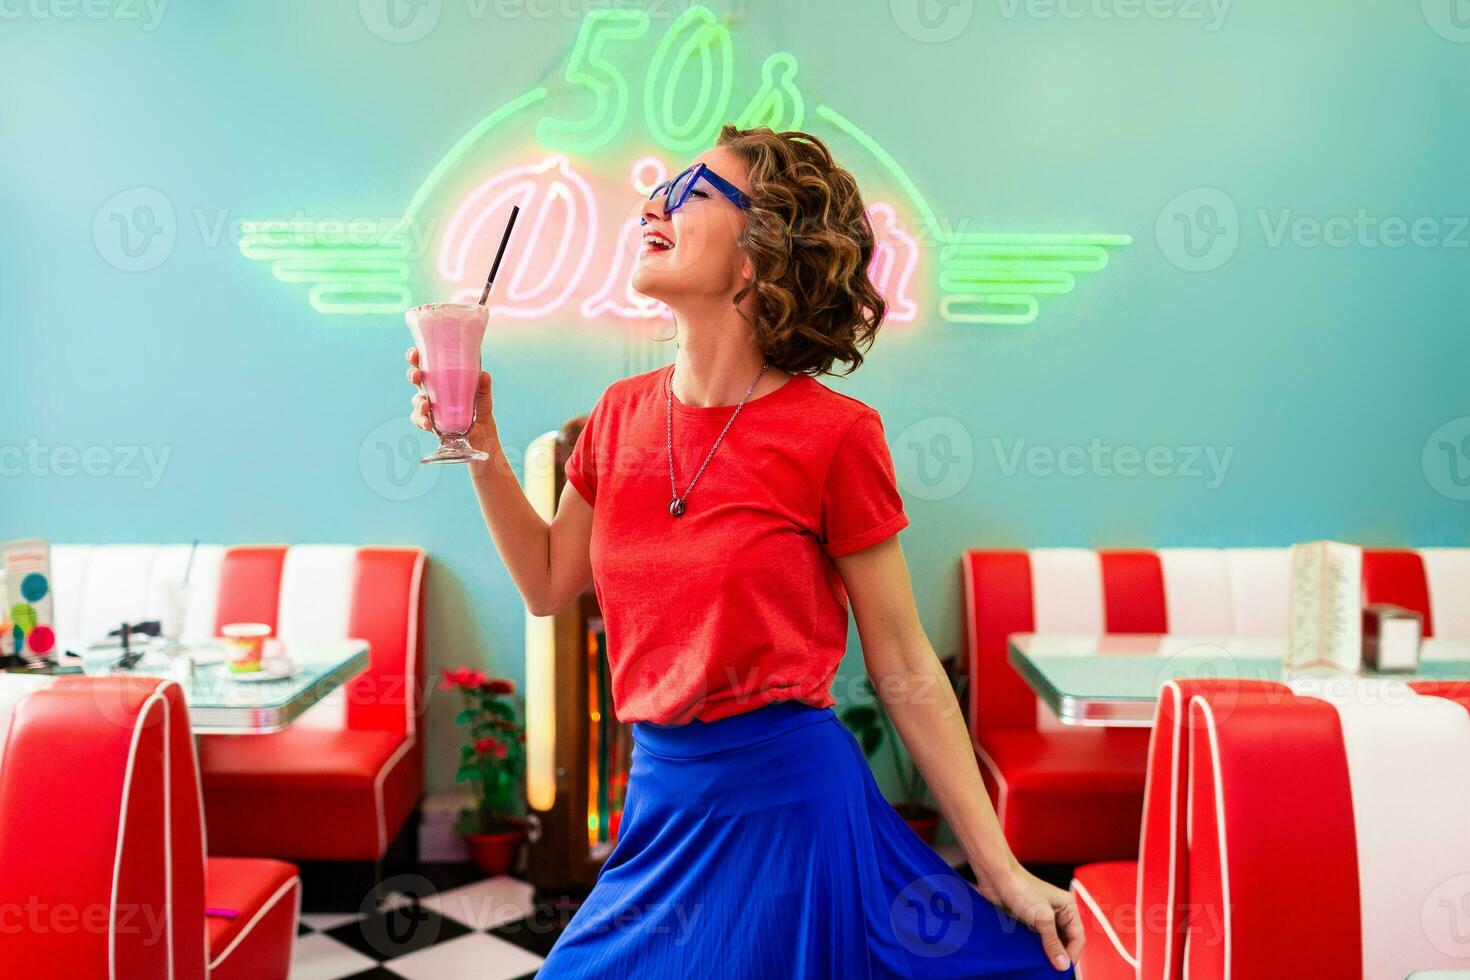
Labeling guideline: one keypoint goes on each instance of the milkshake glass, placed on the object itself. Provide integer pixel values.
(448, 337)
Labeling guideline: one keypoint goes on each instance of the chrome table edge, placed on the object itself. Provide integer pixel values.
(1096, 712)
(251, 720)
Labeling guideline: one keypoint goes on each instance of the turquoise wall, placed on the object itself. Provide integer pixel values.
(1323, 375)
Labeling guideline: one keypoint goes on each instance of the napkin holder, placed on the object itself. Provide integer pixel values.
(1391, 638)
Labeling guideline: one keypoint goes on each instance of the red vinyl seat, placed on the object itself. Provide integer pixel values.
(339, 783)
(103, 770)
(1105, 892)
(1041, 781)
(339, 794)
(248, 946)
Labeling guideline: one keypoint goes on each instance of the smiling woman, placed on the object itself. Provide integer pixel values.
(731, 511)
(805, 246)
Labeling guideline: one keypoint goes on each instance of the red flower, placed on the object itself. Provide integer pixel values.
(498, 685)
(463, 677)
(491, 746)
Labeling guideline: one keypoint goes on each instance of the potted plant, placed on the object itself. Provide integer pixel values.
(873, 728)
(492, 761)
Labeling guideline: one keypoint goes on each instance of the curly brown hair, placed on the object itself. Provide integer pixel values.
(809, 238)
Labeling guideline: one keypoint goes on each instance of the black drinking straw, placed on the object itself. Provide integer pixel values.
(500, 253)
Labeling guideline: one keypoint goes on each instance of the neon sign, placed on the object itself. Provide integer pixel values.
(561, 239)
(896, 255)
(567, 167)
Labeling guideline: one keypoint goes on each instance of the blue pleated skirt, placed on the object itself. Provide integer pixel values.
(760, 846)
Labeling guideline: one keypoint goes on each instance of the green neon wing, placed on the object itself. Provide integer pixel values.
(1000, 278)
(361, 270)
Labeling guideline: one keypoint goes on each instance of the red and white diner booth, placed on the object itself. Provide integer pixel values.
(339, 782)
(1257, 829)
(162, 824)
(1322, 810)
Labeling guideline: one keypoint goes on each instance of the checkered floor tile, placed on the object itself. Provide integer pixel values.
(491, 929)
(488, 930)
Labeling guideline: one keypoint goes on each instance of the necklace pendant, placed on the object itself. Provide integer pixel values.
(676, 506)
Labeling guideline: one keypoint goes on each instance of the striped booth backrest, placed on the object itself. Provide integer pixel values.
(110, 759)
(1163, 852)
(1327, 832)
(306, 593)
(1191, 591)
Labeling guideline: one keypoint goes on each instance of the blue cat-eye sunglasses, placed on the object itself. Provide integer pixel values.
(677, 190)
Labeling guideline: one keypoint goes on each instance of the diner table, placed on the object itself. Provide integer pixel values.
(221, 703)
(1114, 679)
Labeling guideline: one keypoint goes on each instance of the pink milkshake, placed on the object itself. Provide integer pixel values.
(448, 337)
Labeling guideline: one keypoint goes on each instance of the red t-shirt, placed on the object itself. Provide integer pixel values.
(736, 602)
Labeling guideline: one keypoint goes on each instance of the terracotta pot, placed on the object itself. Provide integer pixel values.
(923, 820)
(496, 853)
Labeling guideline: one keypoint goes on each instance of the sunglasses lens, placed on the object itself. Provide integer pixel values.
(681, 187)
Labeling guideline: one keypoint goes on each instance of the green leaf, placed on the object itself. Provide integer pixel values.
(466, 716)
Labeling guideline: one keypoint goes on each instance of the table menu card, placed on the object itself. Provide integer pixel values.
(27, 608)
(1326, 625)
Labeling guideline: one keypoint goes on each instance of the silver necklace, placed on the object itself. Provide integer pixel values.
(676, 504)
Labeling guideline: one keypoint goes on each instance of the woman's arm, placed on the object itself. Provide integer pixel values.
(549, 562)
(911, 683)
